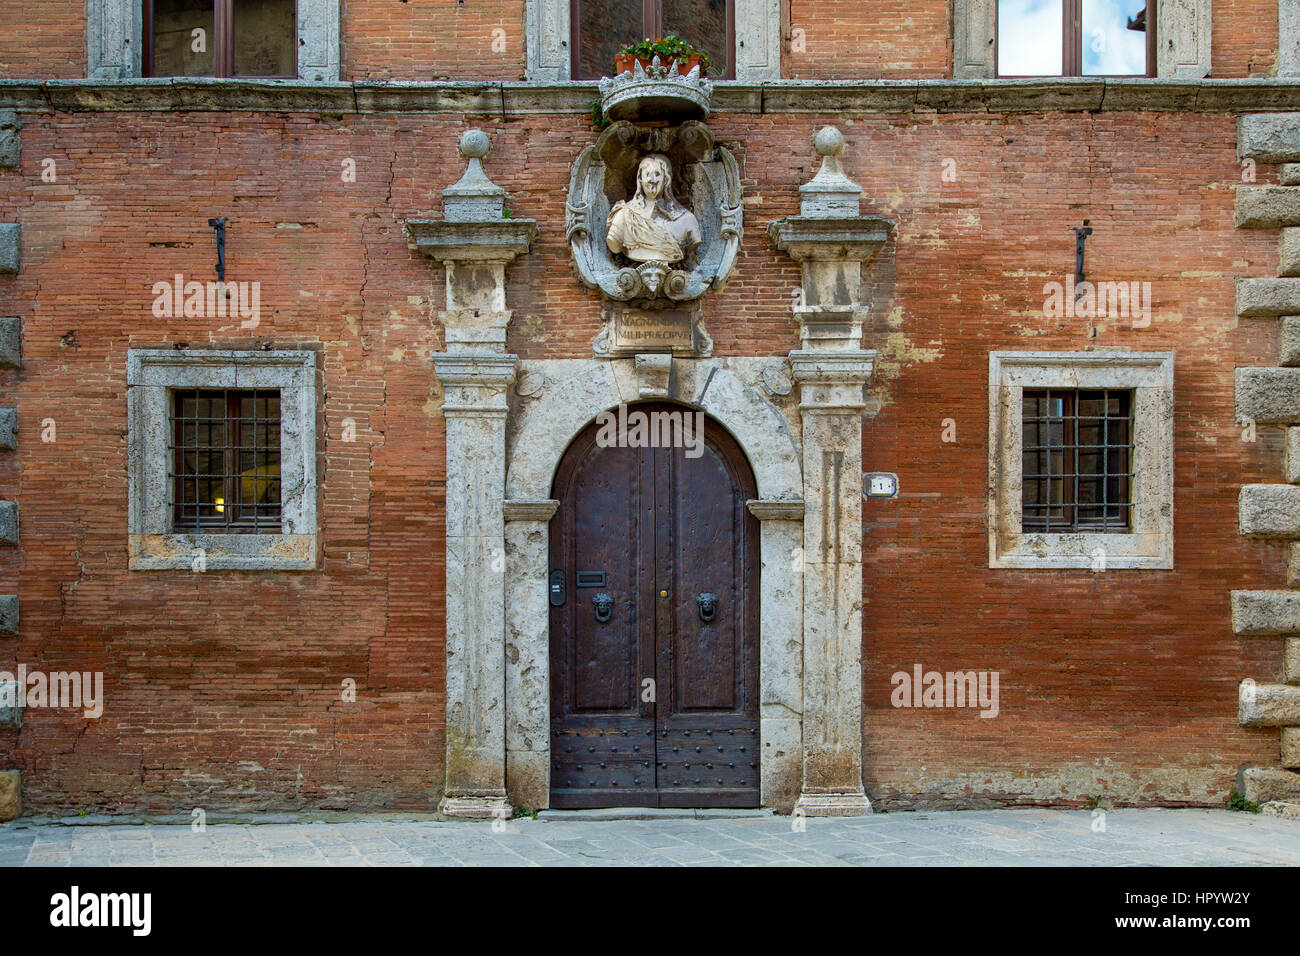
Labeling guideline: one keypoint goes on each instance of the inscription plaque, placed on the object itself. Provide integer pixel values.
(630, 331)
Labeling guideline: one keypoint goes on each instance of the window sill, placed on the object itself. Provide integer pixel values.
(222, 552)
(1093, 551)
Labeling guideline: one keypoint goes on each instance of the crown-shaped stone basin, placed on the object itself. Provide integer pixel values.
(656, 92)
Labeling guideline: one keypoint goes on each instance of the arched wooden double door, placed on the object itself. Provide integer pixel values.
(654, 593)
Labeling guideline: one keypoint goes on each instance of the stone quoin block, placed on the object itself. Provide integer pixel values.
(1262, 784)
(1289, 174)
(11, 145)
(8, 429)
(9, 614)
(1268, 705)
(11, 795)
(1291, 660)
(1293, 455)
(1288, 341)
(1266, 207)
(1268, 396)
(1265, 613)
(11, 349)
(1269, 137)
(1263, 298)
(1269, 511)
(1288, 251)
(11, 705)
(8, 523)
(11, 239)
(1290, 747)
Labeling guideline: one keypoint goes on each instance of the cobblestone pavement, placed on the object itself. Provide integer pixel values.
(682, 838)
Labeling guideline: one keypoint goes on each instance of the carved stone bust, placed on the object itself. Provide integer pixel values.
(652, 226)
(631, 238)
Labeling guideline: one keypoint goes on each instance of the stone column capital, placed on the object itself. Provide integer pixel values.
(474, 383)
(776, 509)
(530, 509)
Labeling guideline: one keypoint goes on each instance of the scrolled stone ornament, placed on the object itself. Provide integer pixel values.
(615, 235)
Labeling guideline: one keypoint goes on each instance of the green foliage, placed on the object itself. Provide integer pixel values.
(597, 114)
(667, 48)
(1239, 803)
(1095, 803)
(524, 812)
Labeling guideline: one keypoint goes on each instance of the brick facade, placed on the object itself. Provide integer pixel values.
(223, 689)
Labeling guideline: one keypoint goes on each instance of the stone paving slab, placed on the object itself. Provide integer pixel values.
(685, 838)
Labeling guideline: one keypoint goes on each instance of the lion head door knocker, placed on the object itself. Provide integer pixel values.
(708, 604)
(604, 605)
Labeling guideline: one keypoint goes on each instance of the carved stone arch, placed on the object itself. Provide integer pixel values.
(576, 391)
(555, 401)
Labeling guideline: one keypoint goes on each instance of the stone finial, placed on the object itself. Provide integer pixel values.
(830, 194)
(474, 197)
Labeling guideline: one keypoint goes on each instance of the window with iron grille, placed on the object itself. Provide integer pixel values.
(225, 455)
(1077, 455)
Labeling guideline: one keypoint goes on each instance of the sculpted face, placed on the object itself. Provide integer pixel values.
(653, 177)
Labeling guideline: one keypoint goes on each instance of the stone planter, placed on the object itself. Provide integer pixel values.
(623, 62)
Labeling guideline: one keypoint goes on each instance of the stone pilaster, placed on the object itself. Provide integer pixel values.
(474, 408)
(781, 624)
(475, 243)
(527, 646)
(831, 240)
(831, 406)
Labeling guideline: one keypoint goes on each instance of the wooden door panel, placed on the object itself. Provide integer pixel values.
(604, 655)
(663, 528)
(705, 659)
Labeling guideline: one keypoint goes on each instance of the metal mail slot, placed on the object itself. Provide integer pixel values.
(591, 579)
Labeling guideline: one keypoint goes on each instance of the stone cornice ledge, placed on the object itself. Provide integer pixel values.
(783, 96)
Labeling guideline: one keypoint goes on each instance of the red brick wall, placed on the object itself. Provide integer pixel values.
(893, 39)
(45, 39)
(223, 688)
(1244, 39)
(433, 39)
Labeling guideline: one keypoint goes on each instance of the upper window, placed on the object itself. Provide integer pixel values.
(226, 38)
(1097, 38)
(600, 28)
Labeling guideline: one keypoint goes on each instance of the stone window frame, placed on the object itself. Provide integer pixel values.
(758, 40)
(115, 40)
(1184, 23)
(151, 377)
(1150, 543)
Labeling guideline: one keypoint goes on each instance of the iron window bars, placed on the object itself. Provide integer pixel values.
(1077, 460)
(225, 455)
